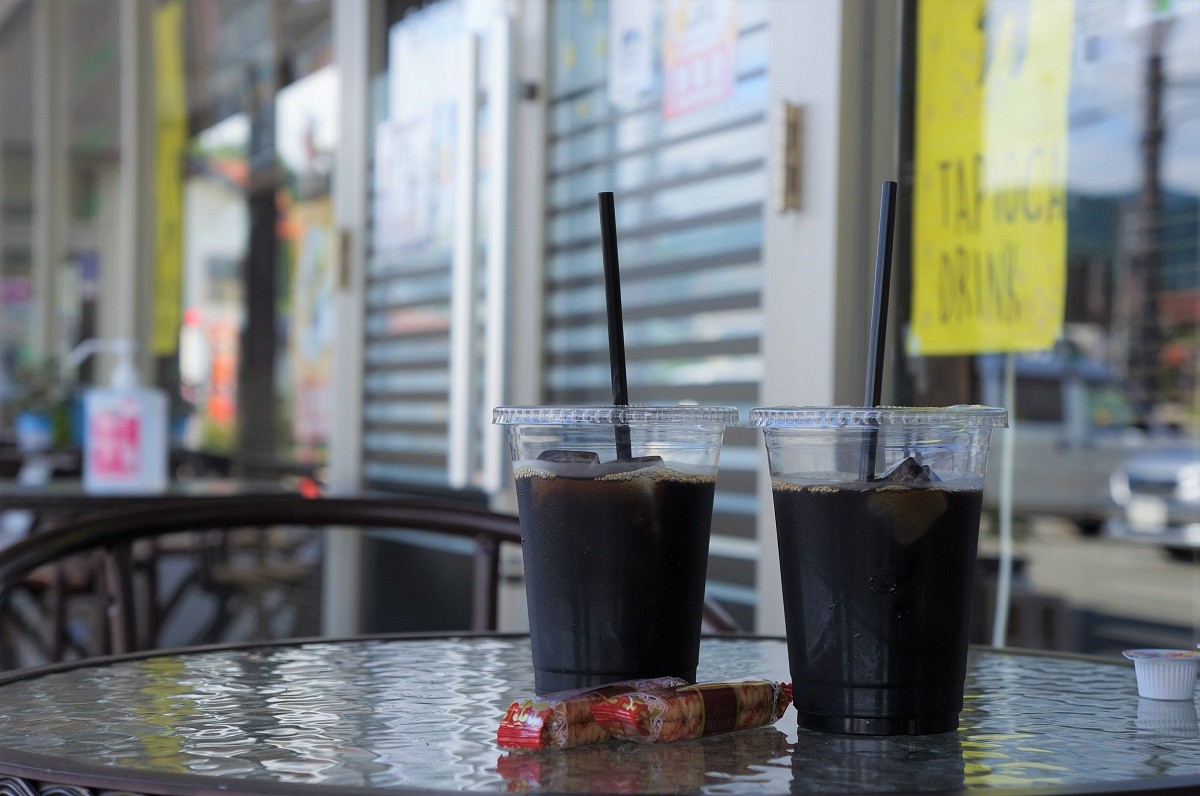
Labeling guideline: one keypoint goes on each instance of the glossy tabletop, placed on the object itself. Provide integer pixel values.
(421, 714)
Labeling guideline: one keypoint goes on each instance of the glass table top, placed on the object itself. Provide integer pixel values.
(422, 714)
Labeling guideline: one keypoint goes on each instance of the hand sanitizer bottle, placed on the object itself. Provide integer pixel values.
(125, 427)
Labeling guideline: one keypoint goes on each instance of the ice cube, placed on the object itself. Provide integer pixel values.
(623, 466)
(909, 471)
(569, 457)
(906, 514)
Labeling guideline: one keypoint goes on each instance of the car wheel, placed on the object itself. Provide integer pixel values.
(1182, 553)
(1090, 528)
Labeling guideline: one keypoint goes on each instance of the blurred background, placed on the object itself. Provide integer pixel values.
(341, 231)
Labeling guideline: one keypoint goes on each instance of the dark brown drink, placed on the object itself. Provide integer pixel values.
(615, 562)
(878, 602)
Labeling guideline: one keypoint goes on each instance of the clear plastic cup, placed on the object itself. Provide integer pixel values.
(615, 542)
(877, 514)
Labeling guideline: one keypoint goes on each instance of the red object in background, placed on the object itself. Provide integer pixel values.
(1175, 354)
(15, 290)
(309, 488)
(222, 383)
(114, 448)
(193, 316)
(1179, 307)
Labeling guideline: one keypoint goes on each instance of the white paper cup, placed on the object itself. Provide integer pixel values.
(1165, 674)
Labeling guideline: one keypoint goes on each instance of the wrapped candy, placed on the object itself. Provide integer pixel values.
(564, 719)
(677, 713)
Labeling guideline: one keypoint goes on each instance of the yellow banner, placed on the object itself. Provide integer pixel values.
(170, 145)
(989, 202)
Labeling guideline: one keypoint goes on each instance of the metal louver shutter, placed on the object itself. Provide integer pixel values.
(690, 192)
(432, 276)
(406, 353)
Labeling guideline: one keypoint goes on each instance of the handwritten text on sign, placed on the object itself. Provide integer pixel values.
(989, 203)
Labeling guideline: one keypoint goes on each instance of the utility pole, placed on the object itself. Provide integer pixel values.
(256, 402)
(1145, 329)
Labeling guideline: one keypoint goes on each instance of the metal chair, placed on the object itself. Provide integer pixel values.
(244, 554)
(109, 564)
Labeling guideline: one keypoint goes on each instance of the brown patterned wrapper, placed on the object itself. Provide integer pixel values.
(692, 711)
(564, 719)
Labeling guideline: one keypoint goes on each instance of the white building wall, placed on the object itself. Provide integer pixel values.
(817, 261)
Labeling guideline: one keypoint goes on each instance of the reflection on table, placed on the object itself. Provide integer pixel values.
(642, 768)
(422, 714)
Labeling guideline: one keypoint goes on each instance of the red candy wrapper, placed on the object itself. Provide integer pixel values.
(678, 713)
(564, 719)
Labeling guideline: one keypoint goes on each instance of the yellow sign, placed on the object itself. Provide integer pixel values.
(989, 194)
(170, 145)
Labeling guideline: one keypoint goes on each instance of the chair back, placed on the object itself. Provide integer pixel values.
(124, 549)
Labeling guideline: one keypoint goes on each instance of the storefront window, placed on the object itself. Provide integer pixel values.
(1090, 198)
(433, 206)
(71, 174)
(255, 344)
(16, 204)
(210, 183)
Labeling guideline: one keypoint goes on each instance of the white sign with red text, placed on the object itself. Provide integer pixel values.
(699, 54)
(115, 441)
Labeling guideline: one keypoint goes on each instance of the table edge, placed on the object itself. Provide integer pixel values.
(46, 770)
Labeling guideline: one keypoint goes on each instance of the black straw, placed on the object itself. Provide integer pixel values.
(884, 244)
(616, 326)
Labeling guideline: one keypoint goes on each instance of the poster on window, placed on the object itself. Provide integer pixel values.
(699, 54)
(424, 51)
(312, 323)
(414, 149)
(631, 52)
(406, 181)
(306, 139)
(16, 313)
(990, 184)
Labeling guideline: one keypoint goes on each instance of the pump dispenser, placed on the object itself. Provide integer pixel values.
(125, 426)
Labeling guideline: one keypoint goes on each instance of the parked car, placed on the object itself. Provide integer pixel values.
(1159, 494)
(1074, 426)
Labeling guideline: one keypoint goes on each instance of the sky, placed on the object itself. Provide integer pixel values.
(1108, 99)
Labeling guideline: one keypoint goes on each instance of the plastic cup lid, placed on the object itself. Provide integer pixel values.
(824, 417)
(614, 415)
(1162, 655)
